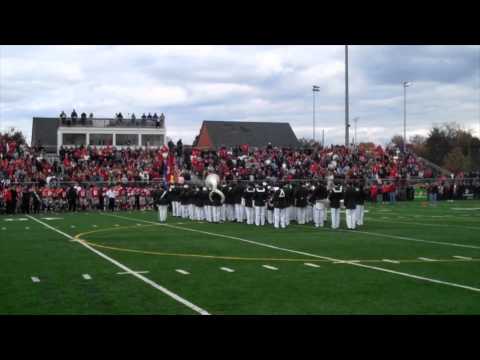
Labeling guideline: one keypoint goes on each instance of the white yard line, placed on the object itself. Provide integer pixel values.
(309, 254)
(426, 259)
(127, 269)
(129, 273)
(311, 265)
(401, 238)
(270, 267)
(227, 269)
(423, 224)
(183, 272)
(391, 261)
(35, 279)
(463, 257)
(414, 239)
(87, 277)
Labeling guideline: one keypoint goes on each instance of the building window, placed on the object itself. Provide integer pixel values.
(101, 139)
(126, 139)
(74, 139)
(152, 140)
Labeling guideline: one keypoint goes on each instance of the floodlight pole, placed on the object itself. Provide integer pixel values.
(347, 125)
(405, 85)
(315, 89)
(355, 140)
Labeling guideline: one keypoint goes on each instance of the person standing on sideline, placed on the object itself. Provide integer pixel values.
(335, 196)
(318, 199)
(392, 193)
(8, 200)
(111, 198)
(360, 203)
(433, 189)
(260, 201)
(373, 193)
(279, 209)
(248, 196)
(385, 192)
(350, 205)
(37, 201)
(26, 196)
(14, 197)
(72, 199)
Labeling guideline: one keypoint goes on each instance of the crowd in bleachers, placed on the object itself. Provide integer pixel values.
(119, 120)
(134, 170)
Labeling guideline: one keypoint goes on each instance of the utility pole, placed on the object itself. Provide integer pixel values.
(347, 125)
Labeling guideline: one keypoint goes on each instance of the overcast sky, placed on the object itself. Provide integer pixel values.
(190, 84)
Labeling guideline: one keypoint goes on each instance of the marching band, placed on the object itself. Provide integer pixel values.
(262, 203)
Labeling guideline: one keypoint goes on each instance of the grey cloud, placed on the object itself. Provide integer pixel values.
(262, 83)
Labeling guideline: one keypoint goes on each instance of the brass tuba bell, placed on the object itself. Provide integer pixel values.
(211, 182)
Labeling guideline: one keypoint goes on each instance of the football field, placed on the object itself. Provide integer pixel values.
(408, 258)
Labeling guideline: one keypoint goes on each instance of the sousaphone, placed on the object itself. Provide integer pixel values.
(211, 182)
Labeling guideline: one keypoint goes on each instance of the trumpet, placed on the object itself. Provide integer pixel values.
(211, 182)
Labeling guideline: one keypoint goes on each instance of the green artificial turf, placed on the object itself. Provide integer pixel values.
(402, 232)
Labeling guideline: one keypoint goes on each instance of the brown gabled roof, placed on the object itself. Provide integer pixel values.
(259, 134)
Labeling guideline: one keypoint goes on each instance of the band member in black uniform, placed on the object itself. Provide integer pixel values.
(160, 201)
(184, 196)
(301, 203)
(350, 205)
(260, 202)
(318, 199)
(248, 196)
(335, 196)
(290, 200)
(216, 206)
(270, 193)
(229, 203)
(361, 196)
(238, 202)
(280, 208)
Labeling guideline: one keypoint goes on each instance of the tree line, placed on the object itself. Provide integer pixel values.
(448, 145)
